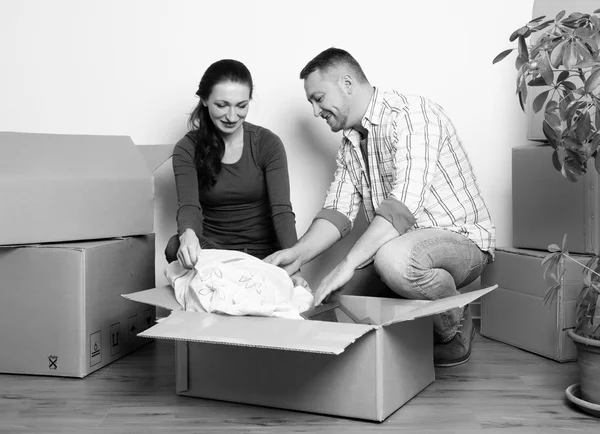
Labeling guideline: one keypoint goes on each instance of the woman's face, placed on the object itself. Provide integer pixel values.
(228, 106)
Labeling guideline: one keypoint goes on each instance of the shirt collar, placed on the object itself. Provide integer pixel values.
(372, 116)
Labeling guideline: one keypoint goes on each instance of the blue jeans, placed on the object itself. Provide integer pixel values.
(429, 264)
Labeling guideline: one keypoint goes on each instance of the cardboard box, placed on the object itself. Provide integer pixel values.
(547, 206)
(61, 310)
(342, 369)
(515, 313)
(58, 187)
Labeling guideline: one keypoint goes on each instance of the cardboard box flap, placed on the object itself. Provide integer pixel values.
(442, 305)
(156, 155)
(262, 332)
(39, 158)
(64, 187)
(162, 296)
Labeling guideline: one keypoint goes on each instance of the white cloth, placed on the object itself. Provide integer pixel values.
(235, 283)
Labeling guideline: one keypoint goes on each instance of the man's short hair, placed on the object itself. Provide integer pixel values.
(331, 58)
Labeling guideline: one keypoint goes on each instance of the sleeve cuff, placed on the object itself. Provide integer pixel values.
(397, 214)
(336, 218)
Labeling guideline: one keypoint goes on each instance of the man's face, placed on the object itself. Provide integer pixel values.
(329, 99)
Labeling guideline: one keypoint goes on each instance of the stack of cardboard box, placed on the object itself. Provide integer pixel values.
(76, 232)
(545, 207)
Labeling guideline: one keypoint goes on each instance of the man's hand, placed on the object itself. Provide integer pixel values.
(334, 281)
(298, 280)
(189, 248)
(288, 259)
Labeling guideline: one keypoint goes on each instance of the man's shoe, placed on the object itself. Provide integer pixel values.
(457, 350)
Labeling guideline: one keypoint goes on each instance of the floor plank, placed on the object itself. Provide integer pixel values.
(502, 389)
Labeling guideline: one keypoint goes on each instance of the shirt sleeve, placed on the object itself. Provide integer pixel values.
(397, 214)
(417, 135)
(342, 197)
(189, 211)
(278, 189)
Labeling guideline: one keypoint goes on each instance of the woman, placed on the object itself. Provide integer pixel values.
(231, 176)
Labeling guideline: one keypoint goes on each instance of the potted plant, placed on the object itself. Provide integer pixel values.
(562, 64)
(586, 332)
(558, 60)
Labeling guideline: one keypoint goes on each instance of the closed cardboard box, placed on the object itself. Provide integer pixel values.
(61, 310)
(547, 206)
(515, 312)
(341, 368)
(61, 187)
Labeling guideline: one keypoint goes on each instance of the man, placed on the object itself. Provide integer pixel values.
(429, 230)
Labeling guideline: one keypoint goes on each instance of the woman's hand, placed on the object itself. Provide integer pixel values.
(288, 259)
(189, 248)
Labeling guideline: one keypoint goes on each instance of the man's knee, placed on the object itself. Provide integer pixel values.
(392, 265)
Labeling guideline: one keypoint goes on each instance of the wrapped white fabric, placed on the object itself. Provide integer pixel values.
(235, 283)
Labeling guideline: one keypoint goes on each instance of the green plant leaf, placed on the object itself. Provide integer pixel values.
(572, 109)
(502, 55)
(562, 76)
(571, 145)
(521, 101)
(588, 47)
(572, 169)
(592, 81)
(524, 31)
(584, 127)
(537, 20)
(550, 134)
(556, 161)
(586, 63)
(552, 119)
(556, 55)
(553, 248)
(514, 35)
(592, 146)
(564, 243)
(546, 71)
(551, 106)
(538, 102)
(523, 52)
(569, 85)
(542, 26)
(551, 295)
(569, 56)
(559, 16)
(520, 62)
(537, 81)
(550, 259)
(568, 174)
(597, 163)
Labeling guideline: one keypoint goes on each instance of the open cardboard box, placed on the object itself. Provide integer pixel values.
(364, 371)
(63, 187)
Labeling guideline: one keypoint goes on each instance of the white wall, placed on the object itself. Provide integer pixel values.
(132, 67)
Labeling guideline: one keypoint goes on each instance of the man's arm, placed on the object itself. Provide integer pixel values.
(379, 232)
(320, 236)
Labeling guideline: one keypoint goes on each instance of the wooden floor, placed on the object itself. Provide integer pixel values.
(502, 389)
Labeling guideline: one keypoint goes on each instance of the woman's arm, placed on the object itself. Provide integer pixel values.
(278, 189)
(189, 211)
